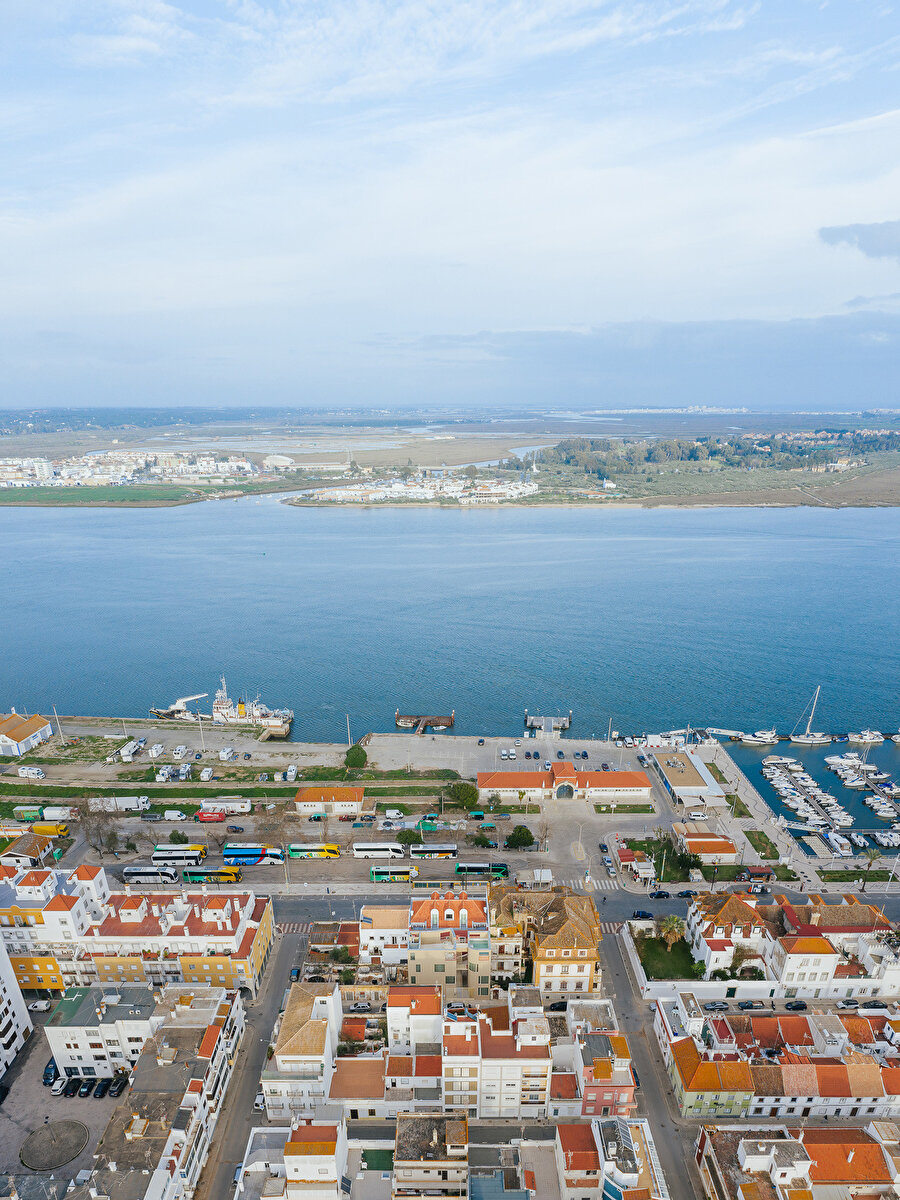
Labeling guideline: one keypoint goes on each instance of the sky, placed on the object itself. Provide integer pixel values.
(428, 202)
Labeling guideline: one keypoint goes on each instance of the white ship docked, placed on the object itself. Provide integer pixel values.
(247, 712)
(762, 737)
(868, 737)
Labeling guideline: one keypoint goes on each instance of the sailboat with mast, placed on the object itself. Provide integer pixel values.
(807, 738)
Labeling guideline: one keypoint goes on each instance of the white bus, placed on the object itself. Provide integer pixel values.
(179, 856)
(377, 850)
(433, 850)
(153, 874)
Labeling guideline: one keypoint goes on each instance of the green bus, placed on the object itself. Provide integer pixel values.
(393, 874)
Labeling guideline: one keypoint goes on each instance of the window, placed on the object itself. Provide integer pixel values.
(435, 916)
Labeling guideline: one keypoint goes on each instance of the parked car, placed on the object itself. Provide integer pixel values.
(102, 1088)
(295, 974)
(744, 1005)
(264, 778)
(117, 1087)
(71, 1088)
(50, 1072)
(481, 741)
(39, 1006)
(259, 1103)
(59, 1086)
(560, 754)
(873, 1004)
(611, 872)
(604, 848)
(641, 914)
(235, 828)
(87, 1086)
(197, 758)
(151, 816)
(345, 817)
(605, 767)
(715, 1006)
(361, 1006)
(687, 894)
(547, 764)
(528, 754)
(660, 894)
(851, 1003)
(558, 1006)
(796, 1006)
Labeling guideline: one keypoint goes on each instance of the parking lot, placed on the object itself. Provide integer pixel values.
(29, 1105)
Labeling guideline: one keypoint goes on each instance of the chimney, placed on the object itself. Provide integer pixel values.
(197, 911)
(434, 1136)
(815, 918)
(850, 1155)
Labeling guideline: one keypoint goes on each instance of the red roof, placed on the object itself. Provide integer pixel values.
(208, 1044)
(422, 1000)
(563, 1086)
(84, 872)
(578, 1147)
(428, 1065)
(61, 903)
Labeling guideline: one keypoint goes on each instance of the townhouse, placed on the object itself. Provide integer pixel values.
(449, 943)
(606, 1074)
(559, 930)
(608, 1159)
(297, 1078)
(563, 781)
(789, 1162)
(66, 928)
(384, 934)
(430, 1156)
(157, 1140)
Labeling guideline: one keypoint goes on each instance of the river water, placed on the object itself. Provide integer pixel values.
(654, 618)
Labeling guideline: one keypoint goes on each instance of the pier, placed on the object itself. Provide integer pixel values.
(549, 726)
(420, 724)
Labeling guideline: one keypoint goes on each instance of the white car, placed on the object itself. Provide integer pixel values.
(697, 816)
(174, 814)
(58, 1086)
(361, 1006)
(39, 1006)
(259, 1103)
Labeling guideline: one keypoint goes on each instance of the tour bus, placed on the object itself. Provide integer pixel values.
(212, 875)
(495, 870)
(251, 854)
(393, 874)
(314, 850)
(150, 875)
(377, 850)
(433, 850)
(179, 856)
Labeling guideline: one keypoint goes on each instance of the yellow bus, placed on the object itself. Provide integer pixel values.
(314, 850)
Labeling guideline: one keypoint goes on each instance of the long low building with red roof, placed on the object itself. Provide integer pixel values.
(563, 781)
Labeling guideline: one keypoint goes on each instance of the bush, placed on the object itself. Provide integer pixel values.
(464, 794)
(348, 976)
(409, 837)
(356, 757)
(177, 838)
(520, 837)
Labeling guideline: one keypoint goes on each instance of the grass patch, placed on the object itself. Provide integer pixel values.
(716, 773)
(726, 872)
(424, 790)
(876, 876)
(785, 874)
(404, 808)
(763, 845)
(624, 808)
(738, 807)
(660, 963)
(666, 872)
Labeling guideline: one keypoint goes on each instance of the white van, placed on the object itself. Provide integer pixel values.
(174, 814)
(394, 814)
(697, 815)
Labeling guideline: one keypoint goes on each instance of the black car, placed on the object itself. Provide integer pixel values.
(102, 1088)
(558, 1006)
(641, 914)
(873, 1004)
(86, 1088)
(246, 756)
(796, 1006)
(687, 894)
(295, 974)
(481, 741)
(117, 1087)
(744, 1005)
(605, 767)
(660, 894)
(235, 829)
(715, 1006)
(71, 1087)
(528, 754)
(604, 847)
(560, 754)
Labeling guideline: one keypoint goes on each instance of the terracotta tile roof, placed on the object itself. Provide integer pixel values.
(428, 1065)
(563, 1086)
(807, 945)
(399, 1064)
(767, 1078)
(832, 1080)
(420, 1000)
(453, 902)
(578, 1147)
(611, 781)
(298, 1035)
(358, 1078)
(85, 873)
(890, 1080)
(208, 1043)
(832, 1164)
(18, 728)
(456, 1046)
(329, 795)
(503, 1045)
(61, 903)
(33, 879)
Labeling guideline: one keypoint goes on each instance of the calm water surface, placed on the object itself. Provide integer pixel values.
(655, 618)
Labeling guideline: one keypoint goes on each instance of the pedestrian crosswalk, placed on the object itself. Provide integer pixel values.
(578, 881)
(294, 927)
(611, 926)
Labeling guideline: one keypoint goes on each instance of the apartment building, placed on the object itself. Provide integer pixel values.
(449, 944)
(297, 1079)
(608, 1159)
(559, 930)
(157, 1141)
(414, 1018)
(15, 1021)
(430, 1156)
(384, 933)
(67, 929)
(607, 1077)
(496, 1072)
(785, 1162)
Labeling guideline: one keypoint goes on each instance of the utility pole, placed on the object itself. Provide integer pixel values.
(200, 723)
(59, 727)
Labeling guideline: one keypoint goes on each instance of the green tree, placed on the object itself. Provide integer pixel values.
(409, 837)
(177, 838)
(464, 794)
(872, 854)
(356, 757)
(671, 930)
(520, 837)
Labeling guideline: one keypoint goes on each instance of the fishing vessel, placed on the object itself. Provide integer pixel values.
(247, 712)
(762, 737)
(179, 711)
(807, 738)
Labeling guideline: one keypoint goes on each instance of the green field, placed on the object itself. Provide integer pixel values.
(763, 845)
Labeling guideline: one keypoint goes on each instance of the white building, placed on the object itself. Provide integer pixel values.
(15, 1023)
(384, 933)
(297, 1079)
(96, 1031)
(18, 734)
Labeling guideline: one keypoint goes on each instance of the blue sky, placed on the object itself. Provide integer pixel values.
(450, 202)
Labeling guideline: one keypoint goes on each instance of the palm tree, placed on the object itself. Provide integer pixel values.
(872, 854)
(671, 929)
